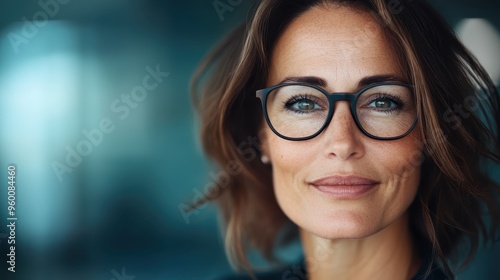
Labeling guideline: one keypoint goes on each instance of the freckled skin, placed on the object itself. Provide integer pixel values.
(341, 46)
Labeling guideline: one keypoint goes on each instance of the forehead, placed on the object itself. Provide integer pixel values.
(333, 42)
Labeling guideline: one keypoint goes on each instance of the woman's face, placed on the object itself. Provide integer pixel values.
(340, 184)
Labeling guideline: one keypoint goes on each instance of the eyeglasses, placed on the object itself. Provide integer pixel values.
(300, 111)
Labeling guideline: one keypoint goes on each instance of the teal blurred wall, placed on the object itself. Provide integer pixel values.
(109, 79)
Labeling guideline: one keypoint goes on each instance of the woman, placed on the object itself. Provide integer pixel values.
(373, 127)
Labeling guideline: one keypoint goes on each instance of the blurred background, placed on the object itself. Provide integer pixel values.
(96, 117)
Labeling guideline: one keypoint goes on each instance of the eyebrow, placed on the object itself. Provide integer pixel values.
(317, 81)
(370, 80)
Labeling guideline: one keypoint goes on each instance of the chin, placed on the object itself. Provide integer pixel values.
(342, 226)
(344, 232)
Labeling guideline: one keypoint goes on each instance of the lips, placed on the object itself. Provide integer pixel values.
(344, 187)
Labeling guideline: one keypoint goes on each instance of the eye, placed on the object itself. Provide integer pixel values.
(386, 103)
(383, 103)
(305, 105)
(302, 104)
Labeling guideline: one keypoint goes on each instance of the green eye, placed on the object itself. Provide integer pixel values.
(305, 105)
(383, 103)
(302, 105)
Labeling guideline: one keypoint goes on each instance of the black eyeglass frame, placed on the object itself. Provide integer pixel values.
(263, 94)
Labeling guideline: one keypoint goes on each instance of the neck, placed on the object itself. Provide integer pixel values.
(388, 254)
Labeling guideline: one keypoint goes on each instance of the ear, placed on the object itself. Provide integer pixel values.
(264, 145)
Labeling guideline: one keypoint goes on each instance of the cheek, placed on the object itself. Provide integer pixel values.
(403, 159)
(400, 167)
(284, 154)
(290, 164)
(287, 165)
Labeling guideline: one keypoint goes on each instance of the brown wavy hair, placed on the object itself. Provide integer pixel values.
(455, 188)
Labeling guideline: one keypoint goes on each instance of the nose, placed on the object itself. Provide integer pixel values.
(342, 138)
